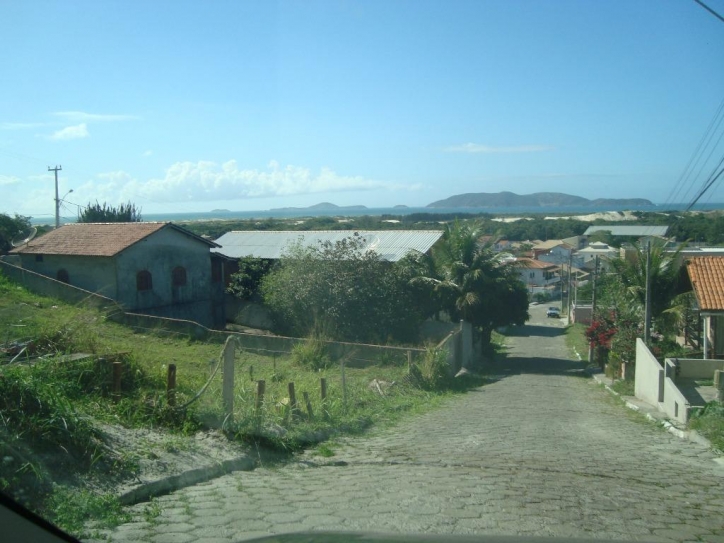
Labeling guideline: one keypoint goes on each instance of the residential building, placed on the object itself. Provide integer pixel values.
(152, 268)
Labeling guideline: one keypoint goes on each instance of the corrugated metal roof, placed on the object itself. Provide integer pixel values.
(640, 230)
(391, 245)
(97, 239)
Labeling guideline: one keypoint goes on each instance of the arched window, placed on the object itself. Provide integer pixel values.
(178, 276)
(62, 276)
(144, 280)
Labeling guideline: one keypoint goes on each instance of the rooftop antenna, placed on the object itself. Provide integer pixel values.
(25, 237)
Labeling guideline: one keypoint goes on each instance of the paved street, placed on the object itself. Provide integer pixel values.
(539, 451)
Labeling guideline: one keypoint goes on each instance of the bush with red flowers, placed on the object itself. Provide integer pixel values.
(602, 329)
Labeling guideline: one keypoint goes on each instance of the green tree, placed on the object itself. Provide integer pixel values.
(246, 282)
(630, 287)
(107, 213)
(343, 292)
(473, 285)
(10, 228)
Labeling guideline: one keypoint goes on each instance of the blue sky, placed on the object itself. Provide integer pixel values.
(191, 106)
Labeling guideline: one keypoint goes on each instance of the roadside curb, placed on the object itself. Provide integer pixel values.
(159, 487)
(687, 435)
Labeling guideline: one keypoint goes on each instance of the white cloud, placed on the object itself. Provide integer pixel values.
(83, 117)
(20, 126)
(71, 132)
(6, 180)
(147, 153)
(209, 181)
(489, 149)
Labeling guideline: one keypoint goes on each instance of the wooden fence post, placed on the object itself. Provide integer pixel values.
(323, 388)
(171, 385)
(310, 413)
(117, 373)
(292, 399)
(251, 373)
(344, 388)
(260, 387)
(409, 359)
(228, 384)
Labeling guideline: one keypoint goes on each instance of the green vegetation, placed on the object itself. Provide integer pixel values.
(710, 423)
(576, 340)
(96, 212)
(10, 228)
(53, 410)
(341, 291)
(472, 285)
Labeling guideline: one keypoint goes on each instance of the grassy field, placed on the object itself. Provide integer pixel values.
(52, 408)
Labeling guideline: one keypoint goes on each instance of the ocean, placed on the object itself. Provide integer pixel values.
(288, 213)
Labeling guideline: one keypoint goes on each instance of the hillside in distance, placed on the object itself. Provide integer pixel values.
(323, 206)
(537, 199)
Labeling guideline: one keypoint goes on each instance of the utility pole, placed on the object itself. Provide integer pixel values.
(647, 318)
(570, 282)
(593, 306)
(57, 198)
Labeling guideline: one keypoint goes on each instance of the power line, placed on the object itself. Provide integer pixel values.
(707, 8)
(696, 156)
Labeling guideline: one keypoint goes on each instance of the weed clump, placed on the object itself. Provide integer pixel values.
(312, 353)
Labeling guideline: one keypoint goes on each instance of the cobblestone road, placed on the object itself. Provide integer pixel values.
(540, 451)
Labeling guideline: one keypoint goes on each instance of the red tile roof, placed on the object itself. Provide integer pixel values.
(96, 239)
(707, 278)
(530, 263)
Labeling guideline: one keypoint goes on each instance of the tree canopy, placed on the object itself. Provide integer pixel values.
(10, 228)
(343, 292)
(473, 285)
(96, 212)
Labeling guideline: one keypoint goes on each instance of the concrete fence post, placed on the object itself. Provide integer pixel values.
(228, 382)
(466, 332)
(719, 384)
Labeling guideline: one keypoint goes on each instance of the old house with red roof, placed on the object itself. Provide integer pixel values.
(153, 268)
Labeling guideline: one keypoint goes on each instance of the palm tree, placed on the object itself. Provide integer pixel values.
(664, 276)
(472, 285)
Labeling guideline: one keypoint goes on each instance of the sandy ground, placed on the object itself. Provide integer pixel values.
(605, 215)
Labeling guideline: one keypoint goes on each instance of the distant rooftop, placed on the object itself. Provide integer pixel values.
(707, 278)
(391, 245)
(634, 231)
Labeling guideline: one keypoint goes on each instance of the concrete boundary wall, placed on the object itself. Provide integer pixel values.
(674, 403)
(649, 380)
(691, 368)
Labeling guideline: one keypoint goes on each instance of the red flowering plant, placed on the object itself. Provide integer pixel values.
(602, 329)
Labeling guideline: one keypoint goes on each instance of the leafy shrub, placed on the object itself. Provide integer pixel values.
(312, 353)
(435, 369)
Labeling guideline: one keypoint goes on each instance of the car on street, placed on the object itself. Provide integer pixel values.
(553, 312)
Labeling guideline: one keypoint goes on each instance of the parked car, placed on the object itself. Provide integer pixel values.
(553, 312)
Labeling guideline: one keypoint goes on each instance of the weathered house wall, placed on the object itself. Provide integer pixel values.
(93, 273)
(160, 254)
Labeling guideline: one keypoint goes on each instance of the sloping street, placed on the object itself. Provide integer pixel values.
(540, 450)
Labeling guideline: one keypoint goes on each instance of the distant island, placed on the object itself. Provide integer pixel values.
(401, 206)
(538, 199)
(323, 206)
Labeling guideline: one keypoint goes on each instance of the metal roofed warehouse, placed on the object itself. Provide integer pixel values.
(630, 230)
(391, 245)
